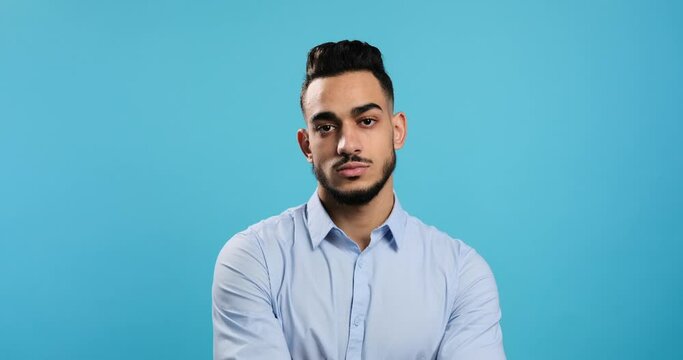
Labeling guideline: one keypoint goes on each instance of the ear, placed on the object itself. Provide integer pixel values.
(304, 144)
(400, 129)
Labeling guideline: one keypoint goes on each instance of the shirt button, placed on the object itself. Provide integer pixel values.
(360, 264)
(357, 321)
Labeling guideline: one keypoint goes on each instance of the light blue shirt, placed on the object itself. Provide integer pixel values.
(295, 286)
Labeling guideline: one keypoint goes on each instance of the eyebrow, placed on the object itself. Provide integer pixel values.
(325, 115)
(328, 115)
(363, 108)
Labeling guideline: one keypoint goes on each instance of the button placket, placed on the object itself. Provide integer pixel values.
(359, 307)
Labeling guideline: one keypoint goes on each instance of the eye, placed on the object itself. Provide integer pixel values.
(368, 122)
(324, 129)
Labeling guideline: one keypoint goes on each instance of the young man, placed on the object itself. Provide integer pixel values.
(349, 274)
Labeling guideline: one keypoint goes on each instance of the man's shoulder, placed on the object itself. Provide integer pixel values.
(271, 227)
(443, 249)
(434, 237)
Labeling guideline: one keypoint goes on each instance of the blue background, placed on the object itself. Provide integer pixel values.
(137, 136)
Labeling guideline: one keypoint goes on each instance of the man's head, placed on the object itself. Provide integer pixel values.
(330, 59)
(351, 133)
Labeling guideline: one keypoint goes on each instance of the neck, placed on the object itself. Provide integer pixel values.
(358, 221)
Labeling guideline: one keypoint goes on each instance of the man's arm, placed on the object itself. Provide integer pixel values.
(473, 329)
(244, 325)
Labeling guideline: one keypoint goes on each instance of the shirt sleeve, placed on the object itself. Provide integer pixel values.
(473, 330)
(244, 324)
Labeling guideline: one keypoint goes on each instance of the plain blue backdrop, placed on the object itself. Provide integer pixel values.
(137, 136)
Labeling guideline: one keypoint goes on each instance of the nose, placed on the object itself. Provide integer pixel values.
(349, 142)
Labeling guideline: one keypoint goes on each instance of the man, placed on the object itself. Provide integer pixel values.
(349, 274)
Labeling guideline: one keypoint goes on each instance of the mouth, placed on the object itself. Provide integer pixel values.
(353, 169)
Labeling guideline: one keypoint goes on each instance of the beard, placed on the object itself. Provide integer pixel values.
(358, 196)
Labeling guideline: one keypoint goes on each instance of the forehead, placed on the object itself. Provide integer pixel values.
(341, 93)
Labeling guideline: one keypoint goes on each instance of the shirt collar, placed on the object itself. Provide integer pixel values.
(318, 221)
(320, 224)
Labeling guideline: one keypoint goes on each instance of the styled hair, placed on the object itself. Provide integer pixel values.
(334, 58)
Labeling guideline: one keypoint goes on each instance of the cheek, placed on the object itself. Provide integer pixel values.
(324, 147)
(322, 155)
(384, 145)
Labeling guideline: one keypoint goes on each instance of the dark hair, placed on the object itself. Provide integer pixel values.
(334, 58)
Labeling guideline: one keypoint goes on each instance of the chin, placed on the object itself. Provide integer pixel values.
(354, 190)
(353, 183)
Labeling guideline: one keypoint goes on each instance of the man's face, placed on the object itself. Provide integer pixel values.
(351, 135)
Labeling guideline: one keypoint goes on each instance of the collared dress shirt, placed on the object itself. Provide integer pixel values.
(295, 286)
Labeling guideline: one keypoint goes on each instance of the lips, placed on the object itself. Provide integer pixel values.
(353, 169)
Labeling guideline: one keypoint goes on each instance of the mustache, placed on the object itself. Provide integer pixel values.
(351, 158)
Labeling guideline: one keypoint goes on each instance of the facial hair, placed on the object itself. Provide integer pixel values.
(359, 196)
